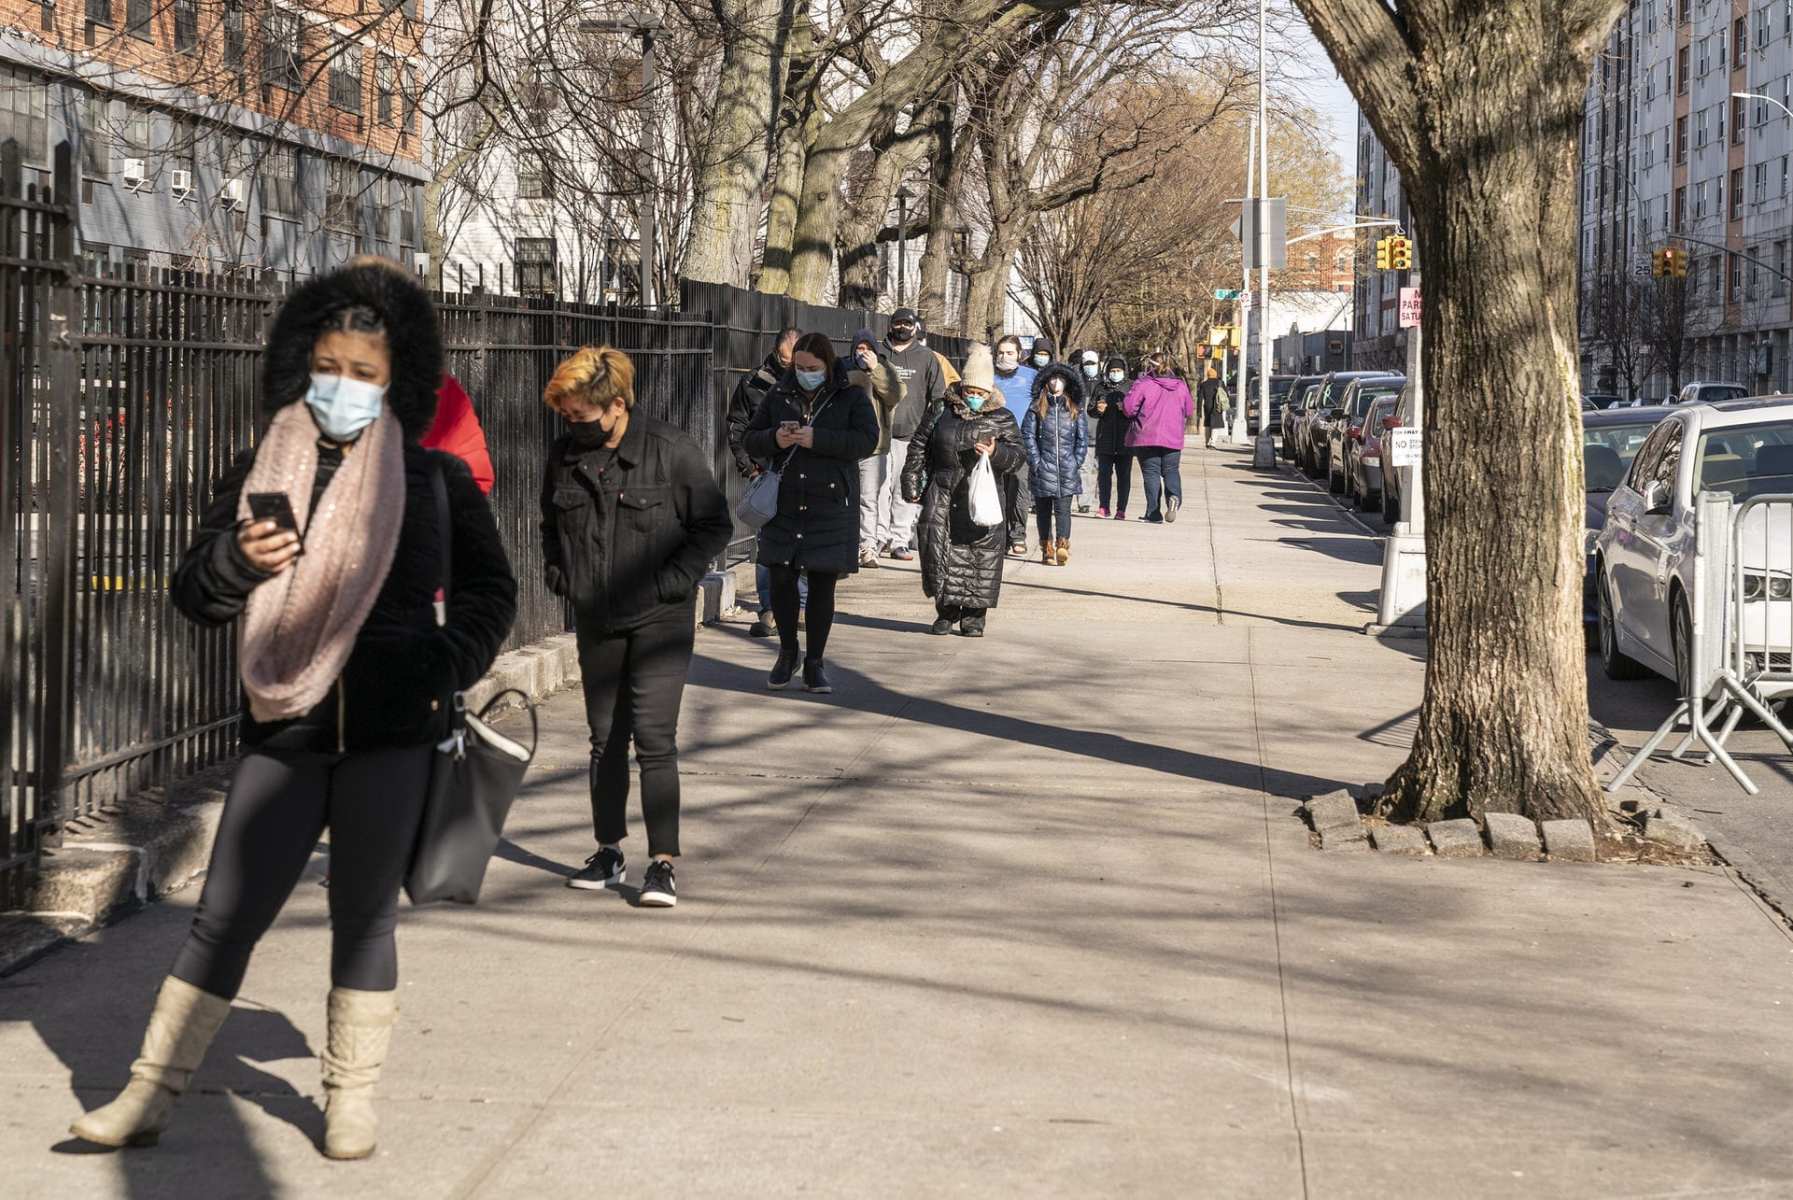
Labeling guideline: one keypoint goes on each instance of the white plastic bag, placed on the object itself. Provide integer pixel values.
(985, 498)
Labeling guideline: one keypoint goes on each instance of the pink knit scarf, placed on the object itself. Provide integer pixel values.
(299, 627)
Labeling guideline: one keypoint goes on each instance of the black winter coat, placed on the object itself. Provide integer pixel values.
(628, 543)
(1208, 392)
(817, 526)
(742, 404)
(404, 669)
(961, 562)
(1111, 426)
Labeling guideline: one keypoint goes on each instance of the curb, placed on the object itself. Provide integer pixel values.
(1338, 825)
(154, 844)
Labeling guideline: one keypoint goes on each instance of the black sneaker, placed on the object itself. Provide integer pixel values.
(782, 670)
(815, 679)
(657, 887)
(761, 627)
(941, 626)
(603, 869)
(972, 627)
(1171, 505)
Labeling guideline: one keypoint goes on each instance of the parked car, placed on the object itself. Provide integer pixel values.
(1313, 447)
(1609, 442)
(1406, 414)
(1592, 401)
(1292, 410)
(1279, 394)
(1365, 469)
(1296, 429)
(1343, 427)
(1707, 391)
(1644, 555)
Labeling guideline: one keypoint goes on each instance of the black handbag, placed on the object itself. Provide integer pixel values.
(475, 775)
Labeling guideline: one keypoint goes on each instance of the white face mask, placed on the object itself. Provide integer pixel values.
(1089, 370)
(343, 407)
(1040, 360)
(1115, 377)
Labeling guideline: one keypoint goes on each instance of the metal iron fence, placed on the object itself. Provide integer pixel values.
(124, 395)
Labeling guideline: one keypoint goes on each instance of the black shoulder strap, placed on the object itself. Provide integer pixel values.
(444, 525)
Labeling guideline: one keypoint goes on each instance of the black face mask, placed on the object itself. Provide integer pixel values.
(901, 333)
(589, 434)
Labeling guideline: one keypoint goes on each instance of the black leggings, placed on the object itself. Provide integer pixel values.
(370, 800)
(634, 680)
(819, 614)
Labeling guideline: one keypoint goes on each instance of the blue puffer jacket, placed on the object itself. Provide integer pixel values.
(1057, 441)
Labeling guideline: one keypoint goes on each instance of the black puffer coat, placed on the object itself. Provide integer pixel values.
(404, 669)
(817, 526)
(1111, 424)
(961, 563)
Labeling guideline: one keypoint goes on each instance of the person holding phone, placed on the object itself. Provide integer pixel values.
(961, 563)
(350, 657)
(815, 427)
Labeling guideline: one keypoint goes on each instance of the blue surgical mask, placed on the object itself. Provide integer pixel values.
(1040, 360)
(973, 401)
(810, 381)
(1089, 370)
(343, 407)
(1115, 377)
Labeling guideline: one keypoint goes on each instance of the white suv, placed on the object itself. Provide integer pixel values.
(1644, 556)
(1706, 391)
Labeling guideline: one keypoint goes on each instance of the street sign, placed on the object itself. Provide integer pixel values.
(1217, 335)
(1409, 307)
(1405, 446)
(1226, 293)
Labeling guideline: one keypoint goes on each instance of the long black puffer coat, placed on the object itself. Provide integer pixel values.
(961, 563)
(398, 683)
(817, 526)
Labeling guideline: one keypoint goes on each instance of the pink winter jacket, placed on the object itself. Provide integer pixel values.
(1158, 408)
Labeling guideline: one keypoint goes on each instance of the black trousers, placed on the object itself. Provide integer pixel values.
(371, 802)
(818, 610)
(634, 681)
(1115, 471)
(1018, 502)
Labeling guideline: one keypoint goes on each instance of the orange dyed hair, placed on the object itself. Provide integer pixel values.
(591, 378)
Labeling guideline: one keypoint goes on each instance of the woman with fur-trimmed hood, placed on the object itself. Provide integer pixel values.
(961, 562)
(325, 546)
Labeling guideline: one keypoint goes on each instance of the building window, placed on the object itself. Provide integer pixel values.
(139, 139)
(234, 40)
(1681, 72)
(186, 26)
(535, 176)
(1739, 42)
(1737, 194)
(1755, 272)
(535, 267)
(24, 114)
(137, 13)
(1699, 129)
(1736, 120)
(1761, 192)
(283, 54)
(1780, 267)
(386, 87)
(1705, 57)
(1686, 11)
(99, 12)
(1736, 276)
(339, 195)
(408, 98)
(345, 79)
(1680, 139)
(1699, 200)
(400, 200)
(96, 137)
(280, 181)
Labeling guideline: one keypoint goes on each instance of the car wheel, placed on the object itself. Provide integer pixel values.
(1681, 630)
(1615, 662)
(1363, 499)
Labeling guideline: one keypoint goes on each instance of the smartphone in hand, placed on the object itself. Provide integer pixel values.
(276, 507)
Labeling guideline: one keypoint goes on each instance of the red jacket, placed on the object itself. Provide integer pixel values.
(456, 430)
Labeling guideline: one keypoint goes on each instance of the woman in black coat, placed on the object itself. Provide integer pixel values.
(1114, 465)
(350, 657)
(961, 562)
(814, 427)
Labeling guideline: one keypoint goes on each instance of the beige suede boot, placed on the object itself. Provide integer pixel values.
(181, 1026)
(1064, 551)
(355, 1050)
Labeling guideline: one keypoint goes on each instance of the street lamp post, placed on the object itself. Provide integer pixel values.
(902, 199)
(647, 216)
(1760, 96)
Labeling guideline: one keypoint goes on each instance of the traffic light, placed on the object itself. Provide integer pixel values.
(1659, 262)
(1382, 255)
(1674, 263)
(1400, 253)
(1201, 351)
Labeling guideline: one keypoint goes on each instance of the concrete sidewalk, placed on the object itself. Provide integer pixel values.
(1024, 916)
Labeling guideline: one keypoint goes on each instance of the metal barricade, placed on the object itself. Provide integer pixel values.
(1740, 646)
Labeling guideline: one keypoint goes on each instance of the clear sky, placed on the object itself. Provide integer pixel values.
(1328, 93)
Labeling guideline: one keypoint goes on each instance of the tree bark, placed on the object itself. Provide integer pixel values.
(1490, 170)
(944, 173)
(860, 230)
(725, 214)
(800, 119)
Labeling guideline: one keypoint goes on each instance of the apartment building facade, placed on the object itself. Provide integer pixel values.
(1377, 341)
(1687, 144)
(245, 135)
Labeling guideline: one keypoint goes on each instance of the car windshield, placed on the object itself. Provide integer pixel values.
(1608, 450)
(1732, 391)
(1746, 460)
(1280, 387)
(1366, 396)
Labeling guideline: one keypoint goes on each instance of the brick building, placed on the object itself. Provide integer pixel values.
(214, 134)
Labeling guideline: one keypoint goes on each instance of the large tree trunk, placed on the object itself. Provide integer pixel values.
(860, 230)
(986, 310)
(726, 212)
(781, 213)
(1491, 173)
(944, 173)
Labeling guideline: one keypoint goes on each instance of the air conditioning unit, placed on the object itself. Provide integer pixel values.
(234, 196)
(180, 183)
(134, 175)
